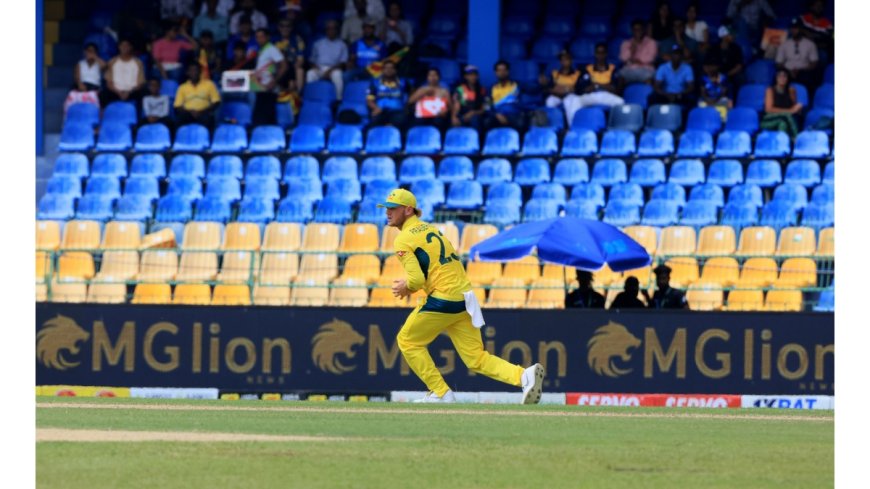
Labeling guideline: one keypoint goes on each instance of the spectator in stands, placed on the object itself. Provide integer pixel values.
(638, 54)
(300, 26)
(289, 94)
(211, 20)
(819, 28)
(561, 82)
(715, 90)
(627, 299)
(352, 27)
(469, 100)
(166, 51)
(781, 105)
(292, 47)
(207, 56)
(798, 55)
(248, 8)
(88, 72)
(431, 102)
(373, 9)
(395, 31)
(241, 59)
(125, 75)
(196, 99)
(175, 10)
(224, 7)
(155, 106)
(665, 297)
(244, 37)
(661, 24)
(748, 18)
(363, 53)
(728, 54)
(584, 297)
(679, 37)
(674, 82)
(597, 85)
(328, 56)
(696, 29)
(271, 67)
(386, 98)
(505, 94)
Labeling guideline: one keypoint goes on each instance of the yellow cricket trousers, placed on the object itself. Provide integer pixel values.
(421, 328)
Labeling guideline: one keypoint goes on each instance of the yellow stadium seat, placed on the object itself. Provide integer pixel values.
(704, 296)
(393, 269)
(605, 277)
(796, 241)
(238, 266)
(558, 272)
(310, 292)
(118, 266)
(158, 266)
(152, 294)
(527, 269)
(717, 241)
(348, 292)
(721, 270)
(483, 272)
(757, 272)
(363, 267)
(75, 265)
(757, 241)
(797, 272)
(507, 293)
(319, 266)
(282, 236)
(473, 234)
(826, 242)
(684, 271)
(271, 295)
(81, 235)
(279, 268)
(43, 266)
(242, 236)
(320, 237)
(69, 292)
(47, 235)
(197, 266)
(547, 294)
(388, 236)
(480, 292)
(107, 293)
(645, 235)
(41, 292)
(644, 276)
(382, 295)
(784, 300)
(201, 236)
(449, 231)
(165, 238)
(122, 235)
(745, 300)
(192, 294)
(359, 238)
(677, 241)
(231, 295)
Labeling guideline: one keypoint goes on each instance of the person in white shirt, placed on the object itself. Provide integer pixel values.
(799, 55)
(328, 57)
(155, 106)
(696, 29)
(249, 8)
(374, 9)
(89, 71)
(125, 75)
(271, 67)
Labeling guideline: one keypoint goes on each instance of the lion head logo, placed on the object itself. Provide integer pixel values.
(609, 341)
(59, 334)
(333, 338)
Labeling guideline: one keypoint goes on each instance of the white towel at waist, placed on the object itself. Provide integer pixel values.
(472, 306)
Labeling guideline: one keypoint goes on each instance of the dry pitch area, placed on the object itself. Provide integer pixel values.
(127, 443)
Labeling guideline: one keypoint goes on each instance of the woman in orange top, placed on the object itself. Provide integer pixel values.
(563, 80)
(597, 86)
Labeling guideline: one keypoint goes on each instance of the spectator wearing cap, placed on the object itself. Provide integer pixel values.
(211, 20)
(469, 100)
(799, 55)
(363, 53)
(395, 31)
(748, 17)
(627, 299)
(292, 47)
(597, 85)
(561, 82)
(728, 54)
(674, 82)
(386, 98)
(505, 96)
(248, 8)
(431, 102)
(665, 297)
(584, 297)
(328, 57)
(638, 55)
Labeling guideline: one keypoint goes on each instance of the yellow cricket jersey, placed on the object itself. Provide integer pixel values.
(432, 264)
(197, 97)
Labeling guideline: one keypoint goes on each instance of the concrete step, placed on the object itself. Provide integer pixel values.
(53, 99)
(60, 77)
(74, 31)
(67, 54)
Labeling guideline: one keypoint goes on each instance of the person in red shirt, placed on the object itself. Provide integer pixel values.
(166, 51)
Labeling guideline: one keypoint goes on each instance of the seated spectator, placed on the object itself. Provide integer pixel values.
(715, 91)
(674, 82)
(638, 54)
(292, 47)
(363, 53)
(88, 73)
(596, 86)
(395, 31)
(207, 56)
(289, 94)
(224, 7)
(781, 105)
(749, 18)
(176, 10)
(798, 55)
(155, 106)
(819, 28)
(696, 29)
(431, 102)
(627, 299)
(271, 67)
(166, 51)
(661, 24)
(241, 59)
(373, 9)
(196, 99)
(211, 20)
(562, 81)
(728, 55)
(245, 38)
(665, 297)
(352, 26)
(679, 37)
(328, 56)
(584, 297)
(505, 96)
(469, 99)
(125, 76)
(386, 98)
(248, 8)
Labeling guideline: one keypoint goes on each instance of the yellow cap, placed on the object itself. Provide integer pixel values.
(401, 197)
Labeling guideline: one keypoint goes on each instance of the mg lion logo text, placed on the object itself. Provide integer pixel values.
(334, 338)
(610, 341)
(59, 334)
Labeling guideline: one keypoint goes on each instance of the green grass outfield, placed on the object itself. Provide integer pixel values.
(373, 445)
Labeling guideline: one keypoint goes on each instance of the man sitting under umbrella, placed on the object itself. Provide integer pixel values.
(584, 297)
(665, 297)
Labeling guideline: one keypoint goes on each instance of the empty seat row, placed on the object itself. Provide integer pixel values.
(228, 138)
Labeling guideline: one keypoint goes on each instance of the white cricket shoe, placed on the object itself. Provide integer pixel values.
(533, 380)
(430, 397)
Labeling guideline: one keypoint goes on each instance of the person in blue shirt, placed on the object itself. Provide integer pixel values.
(505, 100)
(674, 82)
(387, 98)
(364, 52)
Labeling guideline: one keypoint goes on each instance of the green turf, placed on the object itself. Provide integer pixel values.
(386, 448)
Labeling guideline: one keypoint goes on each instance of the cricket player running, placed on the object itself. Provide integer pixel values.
(431, 264)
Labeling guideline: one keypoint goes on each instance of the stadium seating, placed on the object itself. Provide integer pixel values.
(307, 139)
(590, 192)
(570, 171)
(687, 172)
(579, 142)
(424, 140)
(267, 139)
(531, 171)
(647, 172)
(461, 141)
(501, 141)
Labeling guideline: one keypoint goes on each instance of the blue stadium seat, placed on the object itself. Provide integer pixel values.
(71, 165)
(733, 144)
(618, 142)
(826, 298)
(547, 49)
(429, 192)
(267, 139)
(445, 24)
(189, 188)
(415, 168)
(153, 165)
(64, 185)
(465, 194)
(660, 213)
(502, 213)
(589, 192)
(505, 191)
(540, 141)
(346, 139)
(235, 112)
(747, 193)
(699, 213)
(818, 216)
(338, 167)
(778, 214)
(627, 192)
(461, 141)
(687, 172)
(380, 140)
(293, 210)
(811, 144)
(582, 209)
(377, 168)
(647, 172)
(370, 213)
(305, 189)
(772, 144)
(608, 172)
(225, 166)
(583, 50)
(455, 168)
(142, 186)
(670, 192)
(621, 214)
(667, 117)
(695, 143)
(315, 114)
(212, 209)
(751, 96)
(133, 208)
(224, 188)
(332, 210)
(187, 165)
(82, 113)
(344, 189)
(169, 88)
(256, 210)
(550, 191)
(494, 170)
(704, 119)
(173, 208)
(152, 137)
(355, 91)
(120, 113)
(829, 74)
(824, 97)
(791, 193)
(739, 215)
(558, 27)
(580, 142)
(637, 94)
(725, 173)
(55, 207)
(708, 192)
(109, 165)
(803, 172)
(284, 115)
(540, 209)
(764, 173)
(229, 138)
(531, 171)
(828, 177)
(814, 117)
(628, 117)
(94, 208)
(761, 71)
(525, 72)
(320, 91)
(191, 137)
(263, 166)
(107, 186)
(76, 136)
(520, 27)
(421, 140)
(555, 119)
(266, 188)
(742, 119)
(301, 167)
(802, 96)
(307, 139)
(656, 142)
(502, 141)
(449, 69)
(570, 171)
(379, 189)
(591, 118)
(115, 138)
(597, 27)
